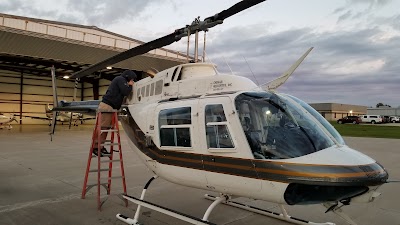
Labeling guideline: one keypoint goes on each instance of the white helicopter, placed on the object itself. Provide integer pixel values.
(195, 127)
(5, 121)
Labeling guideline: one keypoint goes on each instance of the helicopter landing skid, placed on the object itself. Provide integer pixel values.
(281, 216)
(190, 219)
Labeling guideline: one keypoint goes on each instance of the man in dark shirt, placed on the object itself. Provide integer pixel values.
(120, 87)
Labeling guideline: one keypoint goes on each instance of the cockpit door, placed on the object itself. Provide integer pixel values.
(225, 150)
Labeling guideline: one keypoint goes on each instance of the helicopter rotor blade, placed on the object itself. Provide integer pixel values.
(238, 7)
(170, 38)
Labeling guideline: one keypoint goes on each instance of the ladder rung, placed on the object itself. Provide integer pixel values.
(92, 185)
(106, 161)
(95, 170)
(111, 178)
(109, 144)
(105, 141)
(111, 130)
(102, 155)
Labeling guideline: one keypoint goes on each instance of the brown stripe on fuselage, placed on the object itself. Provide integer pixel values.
(371, 174)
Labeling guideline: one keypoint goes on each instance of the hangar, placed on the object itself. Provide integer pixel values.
(384, 111)
(29, 47)
(335, 111)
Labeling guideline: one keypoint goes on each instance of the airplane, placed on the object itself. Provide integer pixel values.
(196, 127)
(63, 117)
(5, 121)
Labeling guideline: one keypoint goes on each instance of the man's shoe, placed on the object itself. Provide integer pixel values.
(102, 152)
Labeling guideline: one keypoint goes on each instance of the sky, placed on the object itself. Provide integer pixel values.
(356, 43)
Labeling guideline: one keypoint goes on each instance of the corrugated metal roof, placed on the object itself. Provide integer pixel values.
(16, 42)
(26, 47)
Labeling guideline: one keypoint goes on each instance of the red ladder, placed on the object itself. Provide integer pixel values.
(98, 130)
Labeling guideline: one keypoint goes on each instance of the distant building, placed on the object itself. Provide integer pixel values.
(384, 111)
(335, 111)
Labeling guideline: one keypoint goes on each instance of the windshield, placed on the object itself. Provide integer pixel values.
(320, 118)
(276, 128)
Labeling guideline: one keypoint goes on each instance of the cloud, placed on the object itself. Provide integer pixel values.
(345, 16)
(104, 12)
(345, 66)
(26, 8)
(355, 61)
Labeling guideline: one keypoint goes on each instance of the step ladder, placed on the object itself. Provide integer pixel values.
(104, 159)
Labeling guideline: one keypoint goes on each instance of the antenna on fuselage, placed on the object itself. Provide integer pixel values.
(228, 65)
(255, 78)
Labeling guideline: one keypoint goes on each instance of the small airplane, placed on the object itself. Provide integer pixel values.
(63, 117)
(5, 121)
(194, 126)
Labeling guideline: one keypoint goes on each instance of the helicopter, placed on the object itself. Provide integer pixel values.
(194, 126)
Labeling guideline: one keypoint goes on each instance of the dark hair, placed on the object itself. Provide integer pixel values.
(129, 75)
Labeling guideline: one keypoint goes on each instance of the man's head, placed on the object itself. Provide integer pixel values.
(129, 75)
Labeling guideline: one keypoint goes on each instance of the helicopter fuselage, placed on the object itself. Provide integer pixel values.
(195, 127)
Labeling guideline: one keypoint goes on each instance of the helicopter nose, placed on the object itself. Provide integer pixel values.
(342, 187)
(334, 174)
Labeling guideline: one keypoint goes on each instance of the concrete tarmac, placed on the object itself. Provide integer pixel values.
(41, 182)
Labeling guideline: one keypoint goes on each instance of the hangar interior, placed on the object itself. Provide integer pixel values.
(29, 47)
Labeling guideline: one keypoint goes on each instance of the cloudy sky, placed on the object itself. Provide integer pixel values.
(356, 42)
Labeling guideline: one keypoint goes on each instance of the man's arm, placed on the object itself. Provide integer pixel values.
(124, 87)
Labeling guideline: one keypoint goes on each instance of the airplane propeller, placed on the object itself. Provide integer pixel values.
(204, 25)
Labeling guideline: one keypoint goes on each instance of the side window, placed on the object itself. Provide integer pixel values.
(143, 91)
(217, 133)
(147, 90)
(173, 75)
(152, 89)
(138, 93)
(159, 85)
(174, 125)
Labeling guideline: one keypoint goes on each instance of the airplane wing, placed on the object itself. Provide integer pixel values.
(87, 107)
(36, 117)
(87, 118)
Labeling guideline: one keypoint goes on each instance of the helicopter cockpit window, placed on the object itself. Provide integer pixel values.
(174, 125)
(276, 128)
(217, 133)
(320, 119)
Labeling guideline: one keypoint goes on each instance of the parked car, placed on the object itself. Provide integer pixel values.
(371, 119)
(350, 119)
(385, 119)
(394, 119)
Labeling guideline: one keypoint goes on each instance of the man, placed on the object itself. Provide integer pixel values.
(120, 87)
